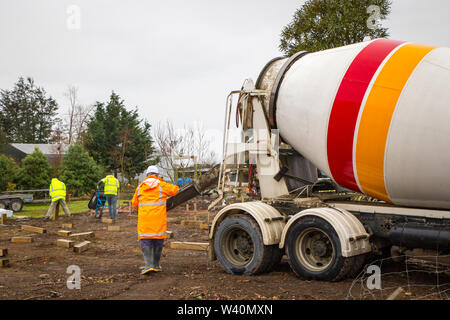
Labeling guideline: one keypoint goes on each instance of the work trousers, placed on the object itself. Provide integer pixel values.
(53, 207)
(112, 205)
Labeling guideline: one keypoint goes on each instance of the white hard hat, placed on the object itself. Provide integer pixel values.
(152, 169)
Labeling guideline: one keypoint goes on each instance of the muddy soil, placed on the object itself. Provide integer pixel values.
(110, 268)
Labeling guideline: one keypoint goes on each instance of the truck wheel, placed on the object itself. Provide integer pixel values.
(16, 205)
(314, 251)
(2, 205)
(239, 246)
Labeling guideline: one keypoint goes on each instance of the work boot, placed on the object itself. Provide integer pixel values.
(156, 258)
(148, 253)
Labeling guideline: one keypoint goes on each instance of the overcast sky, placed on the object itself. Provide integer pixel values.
(172, 59)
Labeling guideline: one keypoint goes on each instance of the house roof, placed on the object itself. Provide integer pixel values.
(28, 148)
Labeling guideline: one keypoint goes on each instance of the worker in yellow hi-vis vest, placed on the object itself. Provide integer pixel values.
(111, 190)
(57, 191)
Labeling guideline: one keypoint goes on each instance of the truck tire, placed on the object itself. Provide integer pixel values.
(16, 205)
(314, 251)
(239, 247)
(2, 205)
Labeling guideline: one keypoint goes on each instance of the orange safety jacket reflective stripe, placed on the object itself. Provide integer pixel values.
(150, 198)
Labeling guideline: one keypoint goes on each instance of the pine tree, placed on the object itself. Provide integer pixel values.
(117, 139)
(27, 115)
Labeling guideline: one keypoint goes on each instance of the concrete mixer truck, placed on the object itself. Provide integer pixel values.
(373, 119)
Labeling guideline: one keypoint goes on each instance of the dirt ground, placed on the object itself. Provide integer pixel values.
(110, 268)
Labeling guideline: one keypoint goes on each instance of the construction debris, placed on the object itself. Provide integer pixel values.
(113, 228)
(34, 229)
(65, 243)
(67, 225)
(83, 246)
(22, 239)
(201, 246)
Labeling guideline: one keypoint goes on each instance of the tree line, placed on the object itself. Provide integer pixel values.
(103, 138)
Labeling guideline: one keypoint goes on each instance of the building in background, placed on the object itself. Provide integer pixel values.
(18, 151)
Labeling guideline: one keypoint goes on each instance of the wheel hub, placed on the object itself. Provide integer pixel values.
(319, 248)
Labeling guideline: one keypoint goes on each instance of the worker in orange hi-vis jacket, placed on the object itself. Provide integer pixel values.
(150, 201)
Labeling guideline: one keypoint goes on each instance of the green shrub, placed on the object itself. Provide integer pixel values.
(8, 169)
(79, 171)
(35, 172)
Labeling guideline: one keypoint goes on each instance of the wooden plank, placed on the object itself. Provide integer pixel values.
(169, 234)
(204, 226)
(67, 225)
(65, 243)
(113, 228)
(22, 239)
(107, 220)
(190, 222)
(83, 246)
(83, 235)
(4, 218)
(3, 252)
(4, 263)
(64, 233)
(201, 246)
(34, 229)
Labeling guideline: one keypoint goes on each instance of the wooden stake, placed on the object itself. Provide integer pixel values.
(107, 220)
(64, 233)
(201, 246)
(65, 243)
(34, 229)
(22, 239)
(56, 216)
(4, 218)
(83, 246)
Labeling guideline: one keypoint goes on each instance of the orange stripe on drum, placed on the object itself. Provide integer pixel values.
(377, 114)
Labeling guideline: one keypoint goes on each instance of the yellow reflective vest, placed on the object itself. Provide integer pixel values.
(111, 185)
(57, 190)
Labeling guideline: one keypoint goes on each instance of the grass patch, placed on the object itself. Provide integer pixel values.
(39, 210)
